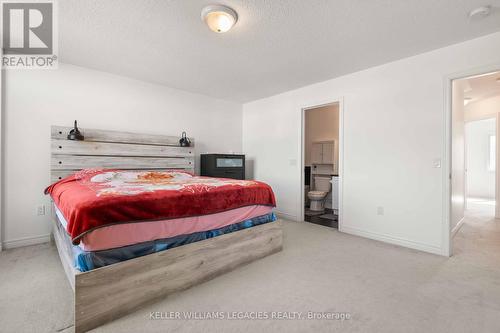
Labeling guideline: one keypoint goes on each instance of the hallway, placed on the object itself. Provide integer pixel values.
(478, 241)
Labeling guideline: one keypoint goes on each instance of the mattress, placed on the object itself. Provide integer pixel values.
(89, 260)
(119, 235)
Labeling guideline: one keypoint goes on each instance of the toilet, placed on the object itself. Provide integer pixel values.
(322, 186)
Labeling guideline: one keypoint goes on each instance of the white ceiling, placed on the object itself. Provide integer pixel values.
(276, 46)
(481, 87)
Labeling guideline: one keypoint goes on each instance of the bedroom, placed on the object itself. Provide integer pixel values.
(156, 69)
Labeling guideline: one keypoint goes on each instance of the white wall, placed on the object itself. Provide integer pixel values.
(394, 131)
(36, 99)
(480, 180)
(321, 124)
(458, 155)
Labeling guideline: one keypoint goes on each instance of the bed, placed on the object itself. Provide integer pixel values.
(132, 223)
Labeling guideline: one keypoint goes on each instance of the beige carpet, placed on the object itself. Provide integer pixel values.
(384, 288)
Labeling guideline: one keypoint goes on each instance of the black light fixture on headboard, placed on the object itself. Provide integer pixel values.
(75, 134)
(184, 141)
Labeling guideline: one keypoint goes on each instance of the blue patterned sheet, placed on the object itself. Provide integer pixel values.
(89, 260)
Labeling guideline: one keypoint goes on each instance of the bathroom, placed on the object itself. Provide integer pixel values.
(321, 165)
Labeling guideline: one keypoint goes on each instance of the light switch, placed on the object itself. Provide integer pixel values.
(436, 163)
(40, 210)
(293, 162)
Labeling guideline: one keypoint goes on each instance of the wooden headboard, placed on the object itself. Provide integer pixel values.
(112, 149)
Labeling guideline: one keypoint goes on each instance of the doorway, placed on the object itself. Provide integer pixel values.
(474, 153)
(321, 164)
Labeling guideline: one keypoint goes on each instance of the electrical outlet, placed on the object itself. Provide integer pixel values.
(380, 210)
(40, 210)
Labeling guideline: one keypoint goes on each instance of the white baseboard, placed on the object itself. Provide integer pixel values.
(25, 241)
(286, 216)
(393, 240)
(457, 227)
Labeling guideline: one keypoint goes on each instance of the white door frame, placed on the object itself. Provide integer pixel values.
(2, 112)
(448, 81)
(497, 164)
(340, 101)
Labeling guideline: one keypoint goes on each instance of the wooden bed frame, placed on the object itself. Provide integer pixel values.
(104, 294)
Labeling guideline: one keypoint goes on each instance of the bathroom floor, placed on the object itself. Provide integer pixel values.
(327, 218)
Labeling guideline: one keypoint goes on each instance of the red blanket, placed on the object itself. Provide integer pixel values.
(93, 199)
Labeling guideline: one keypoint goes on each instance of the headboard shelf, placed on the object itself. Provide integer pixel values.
(120, 150)
(95, 135)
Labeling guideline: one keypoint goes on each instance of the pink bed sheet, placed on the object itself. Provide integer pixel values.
(132, 233)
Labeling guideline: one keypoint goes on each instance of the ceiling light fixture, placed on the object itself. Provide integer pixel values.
(219, 18)
(480, 12)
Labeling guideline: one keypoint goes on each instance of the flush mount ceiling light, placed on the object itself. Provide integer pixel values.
(219, 18)
(480, 12)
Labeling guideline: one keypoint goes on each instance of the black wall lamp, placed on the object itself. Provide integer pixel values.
(75, 134)
(184, 141)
